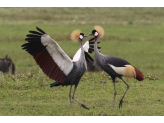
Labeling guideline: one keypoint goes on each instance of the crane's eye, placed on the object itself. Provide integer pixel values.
(81, 36)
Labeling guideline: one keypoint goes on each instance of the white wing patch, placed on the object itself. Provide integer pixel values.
(127, 71)
(78, 53)
(118, 70)
(58, 55)
(86, 46)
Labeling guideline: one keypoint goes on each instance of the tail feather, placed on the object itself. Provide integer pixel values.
(139, 75)
(131, 71)
(55, 84)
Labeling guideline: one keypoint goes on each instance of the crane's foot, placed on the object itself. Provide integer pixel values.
(84, 106)
(120, 104)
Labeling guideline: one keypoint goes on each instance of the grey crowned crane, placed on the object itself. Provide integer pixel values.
(55, 63)
(114, 66)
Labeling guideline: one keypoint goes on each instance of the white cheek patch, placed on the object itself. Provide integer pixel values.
(81, 37)
(96, 33)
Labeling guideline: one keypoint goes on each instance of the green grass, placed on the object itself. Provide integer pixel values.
(30, 95)
(135, 34)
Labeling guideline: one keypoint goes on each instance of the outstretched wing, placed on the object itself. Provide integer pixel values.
(88, 47)
(53, 61)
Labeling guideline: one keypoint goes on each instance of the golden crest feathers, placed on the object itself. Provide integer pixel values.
(75, 35)
(100, 30)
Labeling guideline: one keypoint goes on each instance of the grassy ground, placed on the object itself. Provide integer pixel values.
(135, 34)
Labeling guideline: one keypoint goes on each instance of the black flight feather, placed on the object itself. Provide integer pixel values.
(88, 56)
(33, 36)
(40, 30)
(37, 33)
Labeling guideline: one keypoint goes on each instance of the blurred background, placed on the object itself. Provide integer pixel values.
(135, 34)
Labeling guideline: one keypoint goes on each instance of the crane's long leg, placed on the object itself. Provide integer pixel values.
(114, 94)
(77, 100)
(70, 96)
(121, 101)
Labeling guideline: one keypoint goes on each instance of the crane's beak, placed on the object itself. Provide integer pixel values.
(90, 34)
(85, 35)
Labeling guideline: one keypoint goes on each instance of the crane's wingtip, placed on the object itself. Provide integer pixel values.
(40, 30)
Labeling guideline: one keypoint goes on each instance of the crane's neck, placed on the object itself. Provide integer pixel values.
(82, 49)
(82, 60)
(96, 51)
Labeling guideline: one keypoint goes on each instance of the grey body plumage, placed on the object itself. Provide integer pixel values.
(114, 66)
(55, 63)
(73, 78)
(79, 68)
(103, 61)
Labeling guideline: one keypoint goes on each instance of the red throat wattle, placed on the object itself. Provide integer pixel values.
(95, 39)
(81, 43)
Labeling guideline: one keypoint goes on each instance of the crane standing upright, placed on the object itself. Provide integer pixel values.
(114, 66)
(55, 63)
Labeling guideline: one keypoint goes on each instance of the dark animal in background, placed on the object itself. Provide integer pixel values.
(6, 64)
(92, 67)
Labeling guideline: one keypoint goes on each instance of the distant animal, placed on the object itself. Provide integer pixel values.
(5, 65)
(55, 63)
(92, 67)
(114, 66)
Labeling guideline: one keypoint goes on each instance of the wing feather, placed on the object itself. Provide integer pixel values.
(37, 33)
(58, 55)
(53, 61)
